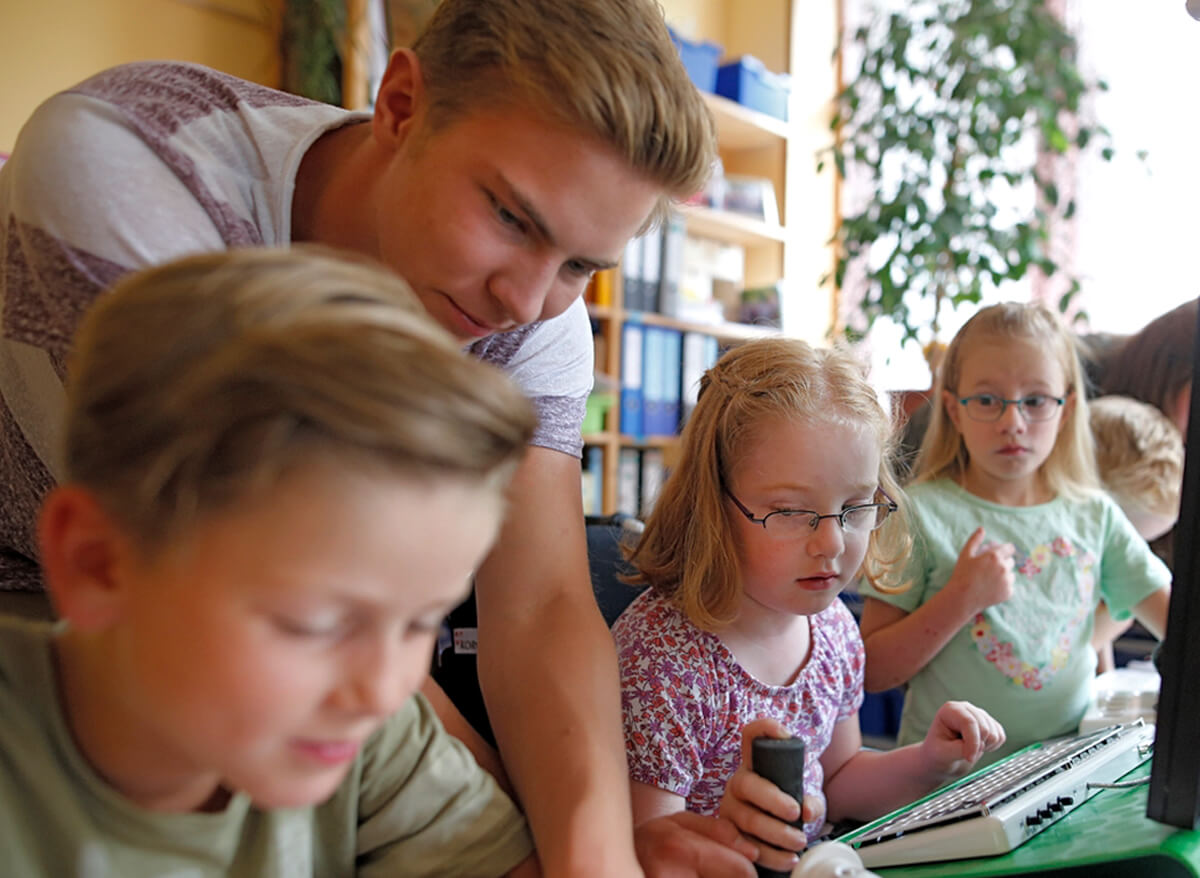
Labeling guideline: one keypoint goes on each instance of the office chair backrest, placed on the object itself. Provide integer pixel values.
(604, 537)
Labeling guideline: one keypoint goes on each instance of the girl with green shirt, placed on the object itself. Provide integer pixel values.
(1015, 543)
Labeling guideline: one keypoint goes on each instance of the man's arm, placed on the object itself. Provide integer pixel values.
(548, 670)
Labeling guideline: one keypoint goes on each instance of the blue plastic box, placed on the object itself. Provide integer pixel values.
(699, 60)
(748, 82)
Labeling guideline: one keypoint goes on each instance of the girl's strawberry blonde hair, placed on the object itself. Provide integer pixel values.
(686, 552)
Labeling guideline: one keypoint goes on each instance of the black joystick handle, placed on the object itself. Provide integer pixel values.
(781, 761)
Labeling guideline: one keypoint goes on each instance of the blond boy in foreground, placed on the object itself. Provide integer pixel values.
(280, 474)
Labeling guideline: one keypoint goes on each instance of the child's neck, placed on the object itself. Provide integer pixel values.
(110, 736)
(1031, 491)
(772, 647)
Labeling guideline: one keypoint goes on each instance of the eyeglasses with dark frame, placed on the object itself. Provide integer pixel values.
(1034, 407)
(785, 523)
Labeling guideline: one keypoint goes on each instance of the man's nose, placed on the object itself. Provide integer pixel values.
(522, 288)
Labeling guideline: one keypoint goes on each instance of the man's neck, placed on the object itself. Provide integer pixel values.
(334, 175)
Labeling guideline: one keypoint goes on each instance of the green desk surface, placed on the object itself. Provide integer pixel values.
(1108, 836)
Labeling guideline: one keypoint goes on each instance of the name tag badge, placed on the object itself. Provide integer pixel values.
(466, 641)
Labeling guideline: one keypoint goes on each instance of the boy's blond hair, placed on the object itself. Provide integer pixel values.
(199, 382)
(1070, 470)
(686, 551)
(1139, 454)
(607, 68)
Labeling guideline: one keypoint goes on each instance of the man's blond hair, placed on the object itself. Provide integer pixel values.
(606, 68)
(197, 383)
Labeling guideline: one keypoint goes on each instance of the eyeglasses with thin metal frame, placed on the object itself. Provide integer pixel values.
(1034, 407)
(785, 523)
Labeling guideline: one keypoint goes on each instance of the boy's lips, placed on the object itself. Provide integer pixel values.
(327, 752)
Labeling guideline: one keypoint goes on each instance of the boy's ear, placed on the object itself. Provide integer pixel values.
(82, 554)
(401, 92)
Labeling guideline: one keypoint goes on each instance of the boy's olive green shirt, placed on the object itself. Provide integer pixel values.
(414, 803)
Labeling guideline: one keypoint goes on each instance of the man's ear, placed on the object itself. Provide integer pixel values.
(400, 97)
(83, 551)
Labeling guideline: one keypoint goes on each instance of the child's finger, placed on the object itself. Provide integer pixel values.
(1005, 551)
(995, 732)
(971, 547)
(767, 829)
(764, 796)
(812, 809)
(762, 727)
(972, 739)
(775, 859)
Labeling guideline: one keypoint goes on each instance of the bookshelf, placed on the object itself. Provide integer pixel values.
(788, 37)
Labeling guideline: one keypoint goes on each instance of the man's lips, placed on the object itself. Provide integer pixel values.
(470, 322)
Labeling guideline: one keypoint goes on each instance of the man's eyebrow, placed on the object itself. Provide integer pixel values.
(524, 205)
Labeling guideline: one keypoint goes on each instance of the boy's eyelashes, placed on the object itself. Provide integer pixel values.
(314, 627)
(341, 626)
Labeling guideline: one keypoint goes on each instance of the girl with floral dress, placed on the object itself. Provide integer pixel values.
(783, 495)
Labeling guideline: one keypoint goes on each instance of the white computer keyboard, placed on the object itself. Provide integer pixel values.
(1004, 805)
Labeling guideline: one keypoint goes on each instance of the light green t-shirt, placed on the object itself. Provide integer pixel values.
(1028, 661)
(414, 803)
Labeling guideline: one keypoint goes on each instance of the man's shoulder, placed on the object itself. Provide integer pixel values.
(187, 89)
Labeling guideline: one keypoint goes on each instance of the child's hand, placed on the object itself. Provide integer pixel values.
(983, 574)
(762, 811)
(960, 734)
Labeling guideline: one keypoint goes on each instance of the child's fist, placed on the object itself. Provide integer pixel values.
(960, 734)
(762, 811)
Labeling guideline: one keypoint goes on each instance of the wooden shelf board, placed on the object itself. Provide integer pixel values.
(729, 330)
(734, 228)
(741, 128)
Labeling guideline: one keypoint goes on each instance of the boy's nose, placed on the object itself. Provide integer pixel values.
(380, 680)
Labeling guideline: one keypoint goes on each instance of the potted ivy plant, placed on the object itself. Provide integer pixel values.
(942, 126)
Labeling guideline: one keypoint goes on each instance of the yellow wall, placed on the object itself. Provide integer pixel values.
(48, 45)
